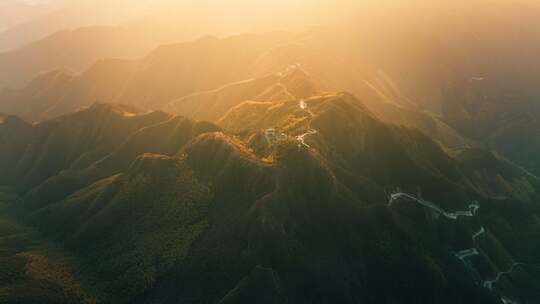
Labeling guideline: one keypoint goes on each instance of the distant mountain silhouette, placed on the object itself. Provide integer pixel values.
(455, 86)
(149, 83)
(72, 51)
(30, 21)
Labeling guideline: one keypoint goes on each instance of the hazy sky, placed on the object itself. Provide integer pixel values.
(210, 16)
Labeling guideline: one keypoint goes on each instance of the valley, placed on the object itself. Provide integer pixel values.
(32, 270)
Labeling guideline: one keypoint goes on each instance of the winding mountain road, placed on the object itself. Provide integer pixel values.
(478, 234)
(473, 208)
(462, 255)
(508, 301)
(304, 106)
(302, 138)
(489, 284)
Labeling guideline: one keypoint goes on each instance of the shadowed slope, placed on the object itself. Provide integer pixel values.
(75, 141)
(125, 138)
(15, 136)
(130, 229)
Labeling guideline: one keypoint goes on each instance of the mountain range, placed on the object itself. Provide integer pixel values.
(71, 51)
(389, 159)
(219, 195)
(465, 102)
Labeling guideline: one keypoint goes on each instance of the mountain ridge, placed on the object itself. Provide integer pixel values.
(271, 205)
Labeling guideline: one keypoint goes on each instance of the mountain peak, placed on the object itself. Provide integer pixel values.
(10, 119)
(119, 109)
